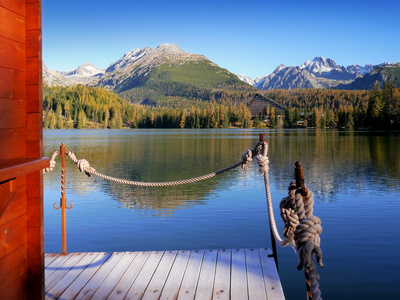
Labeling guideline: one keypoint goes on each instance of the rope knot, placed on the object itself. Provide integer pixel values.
(308, 241)
(52, 163)
(84, 166)
(246, 158)
(263, 163)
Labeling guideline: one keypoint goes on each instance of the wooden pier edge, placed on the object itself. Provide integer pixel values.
(180, 274)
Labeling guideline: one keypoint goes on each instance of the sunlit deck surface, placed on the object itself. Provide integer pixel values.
(195, 274)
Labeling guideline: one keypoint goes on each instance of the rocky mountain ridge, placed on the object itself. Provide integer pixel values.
(133, 70)
(318, 73)
(135, 64)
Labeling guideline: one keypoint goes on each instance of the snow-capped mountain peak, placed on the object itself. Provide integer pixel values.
(86, 69)
(246, 79)
(360, 69)
(279, 68)
(319, 65)
(128, 58)
(86, 73)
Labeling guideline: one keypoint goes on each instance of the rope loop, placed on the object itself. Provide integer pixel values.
(289, 213)
(308, 241)
(52, 163)
(84, 166)
(262, 158)
(246, 158)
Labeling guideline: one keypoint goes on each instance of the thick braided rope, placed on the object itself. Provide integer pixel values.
(85, 167)
(263, 162)
(301, 227)
(289, 213)
(307, 239)
(52, 163)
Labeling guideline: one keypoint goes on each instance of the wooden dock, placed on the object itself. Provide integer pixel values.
(195, 274)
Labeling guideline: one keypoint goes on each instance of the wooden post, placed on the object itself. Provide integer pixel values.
(63, 201)
(299, 176)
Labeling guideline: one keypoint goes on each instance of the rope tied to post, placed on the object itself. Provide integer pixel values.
(52, 163)
(85, 167)
(262, 158)
(82, 164)
(288, 213)
(301, 227)
(306, 234)
(246, 158)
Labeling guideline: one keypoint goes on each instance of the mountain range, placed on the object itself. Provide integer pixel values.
(170, 71)
(148, 75)
(325, 73)
(318, 73)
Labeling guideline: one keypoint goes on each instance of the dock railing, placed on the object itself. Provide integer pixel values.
(312, 286)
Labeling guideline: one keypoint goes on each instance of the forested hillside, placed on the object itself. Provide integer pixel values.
(375, 109)
(90, 107)
(199, 81)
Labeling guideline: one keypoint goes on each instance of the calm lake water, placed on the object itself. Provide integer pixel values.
(355, 178)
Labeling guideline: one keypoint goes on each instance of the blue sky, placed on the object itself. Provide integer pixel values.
(249, 36)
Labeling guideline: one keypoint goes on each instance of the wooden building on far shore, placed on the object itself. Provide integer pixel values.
(259, 103)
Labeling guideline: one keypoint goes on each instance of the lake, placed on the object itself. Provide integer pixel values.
(355, 178)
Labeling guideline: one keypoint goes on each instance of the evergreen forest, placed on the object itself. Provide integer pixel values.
(93, 107)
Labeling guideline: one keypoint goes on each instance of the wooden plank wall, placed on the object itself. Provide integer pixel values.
(21, 225)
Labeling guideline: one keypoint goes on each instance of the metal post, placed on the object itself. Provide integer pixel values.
(299, 176)
(63, 201)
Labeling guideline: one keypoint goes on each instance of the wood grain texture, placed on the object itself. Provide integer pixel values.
(11, 168)
(222, 283)
(13, 113)
(15, 261)
(17, 6)
(21, 234)
(33, 98)
(12, 84)
(202, 274)
(12, 54)
(12, 146)
(33, 15)
(12, 236)
(12, 25)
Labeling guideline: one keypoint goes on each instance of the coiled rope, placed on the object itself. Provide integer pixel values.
(301, 227)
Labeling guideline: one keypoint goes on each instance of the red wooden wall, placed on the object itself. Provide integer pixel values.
(21, 186)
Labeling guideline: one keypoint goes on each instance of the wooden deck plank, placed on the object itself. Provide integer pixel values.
(239, 288)
(81, 280)
(50, 257)
(70, 276)
(173, 283)
(222, 282)
(207, 273)
(272, 282)
(191, 276)
(53, 266)
(255, 278)
(123, 286)
(62, 270)
(142, 280)
(98, 278)
(115, 275)
(198, 274)
(160, 276)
